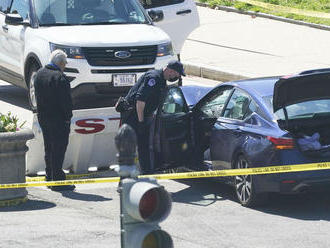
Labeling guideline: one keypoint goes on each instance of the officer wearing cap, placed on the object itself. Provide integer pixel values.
(144, 97)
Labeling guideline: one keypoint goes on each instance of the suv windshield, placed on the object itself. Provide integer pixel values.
(89, 12)
(308, 109)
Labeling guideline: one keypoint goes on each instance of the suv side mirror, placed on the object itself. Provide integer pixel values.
(156, 15)
(13, 19)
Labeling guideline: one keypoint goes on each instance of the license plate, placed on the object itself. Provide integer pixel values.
(123, 80)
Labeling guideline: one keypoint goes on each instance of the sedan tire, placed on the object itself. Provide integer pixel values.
(245, 186)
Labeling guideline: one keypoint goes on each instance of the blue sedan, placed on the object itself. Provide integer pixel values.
(249, 123)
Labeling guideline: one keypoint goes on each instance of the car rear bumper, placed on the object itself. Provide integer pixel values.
(306, 185)
(293, 182)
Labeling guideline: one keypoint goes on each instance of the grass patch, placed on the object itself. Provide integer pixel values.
(313, 5)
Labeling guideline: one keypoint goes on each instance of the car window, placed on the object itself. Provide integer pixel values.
(20, 7)
(238, 105)
(269, 102)
(80, 12)
(174, 102)
(213, 107)
(4, 5)
(147, 4)
(307, 109)
(252, 108)
(255, 108)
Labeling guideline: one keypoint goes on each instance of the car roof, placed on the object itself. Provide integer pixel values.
(257, 87)
(260, 86)
(193, 93)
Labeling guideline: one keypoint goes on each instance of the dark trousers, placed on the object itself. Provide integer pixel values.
(56, 139)
(142, 140)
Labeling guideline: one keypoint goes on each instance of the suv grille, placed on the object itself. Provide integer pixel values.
(106, 56)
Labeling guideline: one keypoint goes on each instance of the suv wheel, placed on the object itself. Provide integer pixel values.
(31, 76)
(245, 187)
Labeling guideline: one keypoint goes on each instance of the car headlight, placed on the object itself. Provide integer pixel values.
(71, 52)
(165, 49)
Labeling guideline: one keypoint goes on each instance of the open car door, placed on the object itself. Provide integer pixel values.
(180, 18)
(172, 143)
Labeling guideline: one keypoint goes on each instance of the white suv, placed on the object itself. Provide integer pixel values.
(110, 43)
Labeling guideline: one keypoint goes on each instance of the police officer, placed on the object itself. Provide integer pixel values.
(54, 111)
(144, 97)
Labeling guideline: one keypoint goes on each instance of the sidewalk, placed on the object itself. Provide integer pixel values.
(230, 46)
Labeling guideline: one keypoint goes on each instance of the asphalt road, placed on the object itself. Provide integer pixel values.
(254, 47)
(205, 213)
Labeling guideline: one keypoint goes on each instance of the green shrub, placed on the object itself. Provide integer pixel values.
(9, 123)
(277, 2)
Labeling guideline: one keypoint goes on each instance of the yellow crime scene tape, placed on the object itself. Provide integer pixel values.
(287, 9)
(69, 177)
(183, 175)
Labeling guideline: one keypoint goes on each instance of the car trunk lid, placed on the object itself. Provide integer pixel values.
(301, 88)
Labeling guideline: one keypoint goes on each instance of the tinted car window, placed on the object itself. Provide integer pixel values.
(174, 102)
(4, 5)
(237, 106)
(252, 108)
(213, 107)
(147, 4)
(255, 108)
(269, 102)
(20, 7)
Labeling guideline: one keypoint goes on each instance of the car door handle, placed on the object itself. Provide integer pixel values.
(183, 12)
(5, 28)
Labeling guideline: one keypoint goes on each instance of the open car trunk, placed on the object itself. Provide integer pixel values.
(312, 135)
(302, 104)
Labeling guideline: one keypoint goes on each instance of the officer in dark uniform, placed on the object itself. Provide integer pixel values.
(144, 97)
(54, 111)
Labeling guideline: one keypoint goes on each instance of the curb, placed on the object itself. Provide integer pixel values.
(273, 17)
(211, 72)
(13, 202)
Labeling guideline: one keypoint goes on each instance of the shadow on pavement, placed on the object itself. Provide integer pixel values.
(304, 206)
(30, 205)
(84, 197)
(14, 95)
(19, 97)
(203, 192)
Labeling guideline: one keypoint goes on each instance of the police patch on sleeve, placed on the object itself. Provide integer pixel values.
(151, 82)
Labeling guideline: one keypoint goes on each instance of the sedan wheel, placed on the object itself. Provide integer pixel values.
(244, 186)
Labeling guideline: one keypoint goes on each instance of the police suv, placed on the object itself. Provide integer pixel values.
(110, 43)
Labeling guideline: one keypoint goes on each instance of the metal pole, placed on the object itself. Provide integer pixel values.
(126, 145)
(122, 231)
